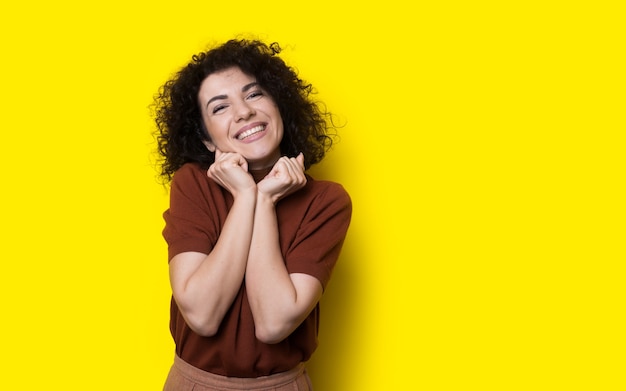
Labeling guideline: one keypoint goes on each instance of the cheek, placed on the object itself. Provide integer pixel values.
(213, 129)
(279, 118)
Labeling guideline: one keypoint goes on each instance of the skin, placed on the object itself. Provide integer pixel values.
(205, 285)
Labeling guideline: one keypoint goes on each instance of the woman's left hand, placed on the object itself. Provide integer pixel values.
(286, 177)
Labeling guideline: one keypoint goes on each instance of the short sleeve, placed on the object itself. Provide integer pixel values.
(321, 234)
(193, 220)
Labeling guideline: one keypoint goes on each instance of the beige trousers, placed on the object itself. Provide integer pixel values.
(186, 377)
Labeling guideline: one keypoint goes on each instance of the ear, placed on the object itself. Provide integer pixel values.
(209, 145)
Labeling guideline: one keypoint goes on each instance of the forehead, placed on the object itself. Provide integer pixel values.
(225, 81)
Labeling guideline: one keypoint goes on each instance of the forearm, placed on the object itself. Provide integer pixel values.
(278, 305)
(205, 289)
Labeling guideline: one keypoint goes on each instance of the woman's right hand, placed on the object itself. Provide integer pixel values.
(230, 170)
(205, 285)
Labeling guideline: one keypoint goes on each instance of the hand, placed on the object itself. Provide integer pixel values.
(286, 177)
(230, 170)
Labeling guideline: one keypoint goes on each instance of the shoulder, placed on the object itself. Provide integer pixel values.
(327, 194)
(191, 180)
(191, 175)
(329, 189)
(188, 172)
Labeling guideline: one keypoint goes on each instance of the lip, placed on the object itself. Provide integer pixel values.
(248, 127)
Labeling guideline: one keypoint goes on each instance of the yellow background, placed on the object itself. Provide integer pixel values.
(483, 148)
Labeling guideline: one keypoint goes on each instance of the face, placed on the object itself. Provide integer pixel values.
(241, 117)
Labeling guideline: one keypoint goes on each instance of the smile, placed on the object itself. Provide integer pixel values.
(250, 132)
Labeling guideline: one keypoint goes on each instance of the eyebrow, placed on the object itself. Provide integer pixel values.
(243, 89)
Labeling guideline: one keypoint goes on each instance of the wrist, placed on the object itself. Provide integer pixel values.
(264, 199)
(248, 194)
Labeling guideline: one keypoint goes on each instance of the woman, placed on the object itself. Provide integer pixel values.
(252, 239)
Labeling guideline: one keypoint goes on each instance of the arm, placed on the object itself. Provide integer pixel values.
(279, 301)
(204, 286)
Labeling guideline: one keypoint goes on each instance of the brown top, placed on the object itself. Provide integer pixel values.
(312, 226)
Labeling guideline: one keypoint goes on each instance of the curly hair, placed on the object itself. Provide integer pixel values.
(180, 130)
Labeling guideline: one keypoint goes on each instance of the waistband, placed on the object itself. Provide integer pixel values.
(209, 379)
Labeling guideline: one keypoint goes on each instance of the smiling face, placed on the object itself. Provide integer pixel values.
(241, 117)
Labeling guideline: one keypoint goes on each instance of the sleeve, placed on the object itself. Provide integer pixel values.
(321, 235)
(191, 224)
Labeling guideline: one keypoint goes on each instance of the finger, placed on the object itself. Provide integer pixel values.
(289, 167)
(300, 159)
(297, 164)
(295, 170)
(243, 163)
(280, 168)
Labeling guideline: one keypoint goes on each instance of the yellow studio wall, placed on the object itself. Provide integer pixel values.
(483, 148)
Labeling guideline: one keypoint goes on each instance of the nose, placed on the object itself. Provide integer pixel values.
(243, 111)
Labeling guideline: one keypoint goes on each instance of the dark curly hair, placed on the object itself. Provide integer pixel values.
(180, 130)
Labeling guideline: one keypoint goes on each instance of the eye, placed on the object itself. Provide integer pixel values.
(218, 108)
(255, 94)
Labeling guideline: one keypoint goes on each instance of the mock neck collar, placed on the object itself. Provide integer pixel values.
(259, 174)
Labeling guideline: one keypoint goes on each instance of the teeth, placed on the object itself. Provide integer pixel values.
(250, 132)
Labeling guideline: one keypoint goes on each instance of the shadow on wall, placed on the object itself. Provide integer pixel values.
(331, 364)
